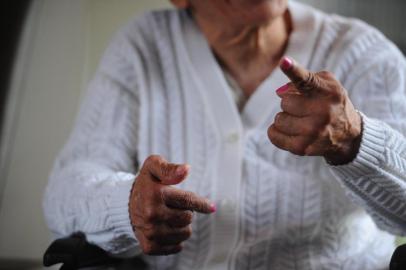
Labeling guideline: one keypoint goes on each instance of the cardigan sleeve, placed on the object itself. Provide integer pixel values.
(376, 179)
(90, 183)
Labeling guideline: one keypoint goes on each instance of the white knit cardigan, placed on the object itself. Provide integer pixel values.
(159, 90)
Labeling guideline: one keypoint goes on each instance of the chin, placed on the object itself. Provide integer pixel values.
(261, 11)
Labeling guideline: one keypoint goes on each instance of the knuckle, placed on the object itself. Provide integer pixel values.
(310, 151)
(187, 199)
(308, 127)
(183, 219)
(143, 175)
(284, 104)
(309, 82)
(312, 128)
(188, 217)
(150, 214)
(298, 152)
(340, 94)
(326, 74)
(279, 117)
(147, 248)
(310, 77)
(162, 194)
(165, 170)
(188, 232)
(152, 159)
(309, 130)
(273, 137)
(298, 149)
(270, 132)
(336, 95)
(149, 234)
(279, 120)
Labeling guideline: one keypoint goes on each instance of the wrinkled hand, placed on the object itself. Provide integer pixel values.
(317, 118)
(160, 214)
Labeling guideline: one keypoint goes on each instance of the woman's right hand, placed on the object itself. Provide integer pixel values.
(161, 214)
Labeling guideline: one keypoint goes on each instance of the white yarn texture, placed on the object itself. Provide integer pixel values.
(159, 90)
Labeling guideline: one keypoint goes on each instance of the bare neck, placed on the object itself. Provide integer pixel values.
(249, 54)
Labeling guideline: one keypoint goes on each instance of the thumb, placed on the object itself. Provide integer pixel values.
(300, 77)
(164, 172)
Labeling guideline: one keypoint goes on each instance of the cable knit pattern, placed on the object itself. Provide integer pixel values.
(159, 90)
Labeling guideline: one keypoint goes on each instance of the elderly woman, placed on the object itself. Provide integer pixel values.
(182, 125)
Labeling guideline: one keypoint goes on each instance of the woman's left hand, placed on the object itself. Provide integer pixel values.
(317, 118)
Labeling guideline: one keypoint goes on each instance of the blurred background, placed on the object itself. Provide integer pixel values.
(44, 72)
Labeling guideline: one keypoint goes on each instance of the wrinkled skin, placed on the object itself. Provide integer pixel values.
(235, 13)
(161, 214)
(248, 37)
(317, 117)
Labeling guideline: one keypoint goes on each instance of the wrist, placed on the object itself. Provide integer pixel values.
(346, 151)
(131, 204)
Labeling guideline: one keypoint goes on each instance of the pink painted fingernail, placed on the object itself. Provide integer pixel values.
(181, 170)
(283, 89)
(286, 63)
(213, 208)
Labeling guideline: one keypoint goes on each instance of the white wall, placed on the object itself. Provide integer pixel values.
(387, 16)
(62, 44)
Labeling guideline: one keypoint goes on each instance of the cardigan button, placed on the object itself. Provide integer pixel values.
(232, 137)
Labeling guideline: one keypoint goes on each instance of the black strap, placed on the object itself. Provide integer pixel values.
(398, 261)
(75, 252)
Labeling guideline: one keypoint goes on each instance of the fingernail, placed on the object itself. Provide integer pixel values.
(181, 170)
(286, 63)
(213, 208)
(283, 89)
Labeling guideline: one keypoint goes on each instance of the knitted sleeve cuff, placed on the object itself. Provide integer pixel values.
(370, 154)
(119, 217)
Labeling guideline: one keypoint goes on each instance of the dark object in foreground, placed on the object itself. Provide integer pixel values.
(398, 261)
(75, 252)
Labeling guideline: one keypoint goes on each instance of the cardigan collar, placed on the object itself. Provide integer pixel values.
(264, 101)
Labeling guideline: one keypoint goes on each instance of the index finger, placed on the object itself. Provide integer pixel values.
(187, 200)
(300, 77)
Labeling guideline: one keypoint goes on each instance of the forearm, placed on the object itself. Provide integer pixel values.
(86, 197)
(90, 184)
